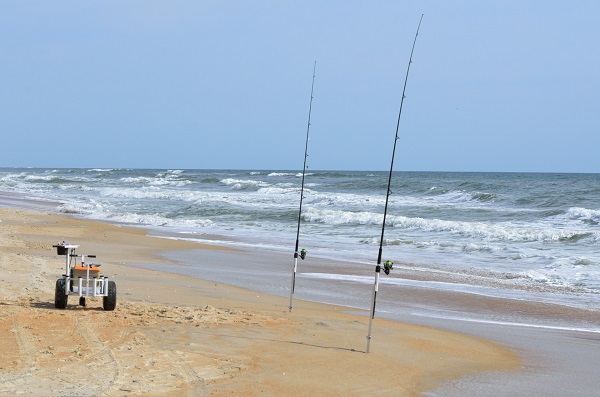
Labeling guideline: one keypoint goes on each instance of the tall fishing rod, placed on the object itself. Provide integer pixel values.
(388, 265)
(303, 252)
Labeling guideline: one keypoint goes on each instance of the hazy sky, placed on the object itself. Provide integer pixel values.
(494, 85)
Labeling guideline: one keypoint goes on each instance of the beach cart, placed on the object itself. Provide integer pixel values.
(83, 280)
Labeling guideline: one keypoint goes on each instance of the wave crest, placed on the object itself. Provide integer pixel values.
(584, 215)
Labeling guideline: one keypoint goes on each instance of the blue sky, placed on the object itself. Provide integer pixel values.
(494, 85)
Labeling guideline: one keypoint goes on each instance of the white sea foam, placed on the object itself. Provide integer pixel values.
(158, 220)
(240, 184)
(333, 217)
(480, 230)
(509, 323)
(584, 214)
(272, 190)
(473, 289)
(542, 224)
(34, 178)
(281, 174)
(168, 180)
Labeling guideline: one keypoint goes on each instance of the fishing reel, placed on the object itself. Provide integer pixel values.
(302, 254)
(387, 266)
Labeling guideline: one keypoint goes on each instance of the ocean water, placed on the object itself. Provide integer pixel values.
(507, 232)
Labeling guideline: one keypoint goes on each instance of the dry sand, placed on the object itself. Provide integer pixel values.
(173, 335)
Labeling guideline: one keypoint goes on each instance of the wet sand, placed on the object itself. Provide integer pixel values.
(559, 345)
(176, 335)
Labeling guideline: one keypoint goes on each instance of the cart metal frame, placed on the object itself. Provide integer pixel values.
(79, 285)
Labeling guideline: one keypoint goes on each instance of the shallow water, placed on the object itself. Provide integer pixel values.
(516, 232)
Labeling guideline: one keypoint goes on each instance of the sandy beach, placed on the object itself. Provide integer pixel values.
(173, 335)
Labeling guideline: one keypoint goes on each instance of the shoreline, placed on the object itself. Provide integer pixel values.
(479, 279)
(179, 335)
(558, 344)
(320, 275)
(542, 349)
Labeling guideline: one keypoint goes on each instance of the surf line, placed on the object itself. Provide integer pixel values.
(388, 264)
(303, 251)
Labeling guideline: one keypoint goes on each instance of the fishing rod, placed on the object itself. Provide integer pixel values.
(388, 265)
(303, 251)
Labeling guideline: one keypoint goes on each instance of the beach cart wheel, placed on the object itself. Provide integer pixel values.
(110, 302)
(60, 297)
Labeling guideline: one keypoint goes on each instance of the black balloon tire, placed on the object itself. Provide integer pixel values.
(60, 297)
(110, 302)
